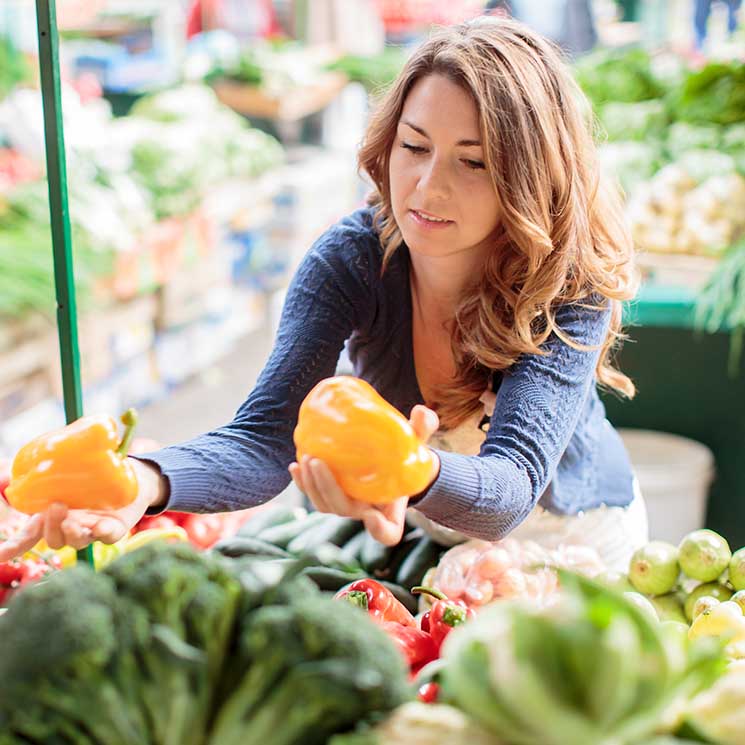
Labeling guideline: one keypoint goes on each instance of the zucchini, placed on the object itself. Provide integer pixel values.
(424, 554)
(399, 554)
(245, 546)
(281, 535)
(374, 556)
(331, 580)
(350, 551)
(270, 517)
(332, 529)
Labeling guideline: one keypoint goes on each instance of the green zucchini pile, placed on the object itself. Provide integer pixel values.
(283, 533)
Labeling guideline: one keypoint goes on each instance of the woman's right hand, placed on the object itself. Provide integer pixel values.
(60, 526)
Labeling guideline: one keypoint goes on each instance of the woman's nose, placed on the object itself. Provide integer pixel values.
(434, 182)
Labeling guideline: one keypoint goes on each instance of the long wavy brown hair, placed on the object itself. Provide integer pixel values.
(561, 237)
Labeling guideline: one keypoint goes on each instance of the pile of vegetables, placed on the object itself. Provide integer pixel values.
(676, 211)
(594, 669)
(168, 645)
(276, 66)
(700, 582)
(655, 112)
(124, 174)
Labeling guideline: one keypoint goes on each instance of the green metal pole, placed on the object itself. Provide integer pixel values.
(64, 278)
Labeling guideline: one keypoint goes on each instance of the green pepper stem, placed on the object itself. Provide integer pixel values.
(129, 420)
(358, 598)
(435, 593)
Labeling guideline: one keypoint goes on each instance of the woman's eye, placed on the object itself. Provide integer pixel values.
(416, 149)
(475, 164)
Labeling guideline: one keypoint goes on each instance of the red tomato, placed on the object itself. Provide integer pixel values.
(203, 530)
(10, 572)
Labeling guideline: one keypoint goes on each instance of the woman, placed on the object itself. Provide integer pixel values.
(483, 285)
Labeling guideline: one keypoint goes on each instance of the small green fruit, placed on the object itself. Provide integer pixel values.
(654, 568)
(714, 589)
(617, 581)
(739, 598)
(703, 604)
(737, 569)
(669, 608)
(704, 555)
(642, 603)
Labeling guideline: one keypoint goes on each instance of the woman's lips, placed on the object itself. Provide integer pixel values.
(428, 221)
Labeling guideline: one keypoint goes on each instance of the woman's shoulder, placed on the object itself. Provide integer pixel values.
(353, 234)
(351, 248)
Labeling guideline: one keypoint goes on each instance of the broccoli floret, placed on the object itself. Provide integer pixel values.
(316, 667)
(66, 665)
(191, 599)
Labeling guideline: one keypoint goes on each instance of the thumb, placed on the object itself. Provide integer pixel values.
(424, 421)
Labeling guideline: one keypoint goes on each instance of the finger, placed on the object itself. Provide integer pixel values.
(424, 422)
(24, 541)
(75, 534)
(334, 496)
(312, 491)
(297, 477)
(53, 519)
(386, 523)
(383, 530)
(109, 530)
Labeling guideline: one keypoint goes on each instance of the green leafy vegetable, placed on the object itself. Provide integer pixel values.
(720, 306)
(13, 67)
(595, 670)
(618, 75)
(713, 95)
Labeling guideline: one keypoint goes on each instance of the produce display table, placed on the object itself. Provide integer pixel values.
(685, 388)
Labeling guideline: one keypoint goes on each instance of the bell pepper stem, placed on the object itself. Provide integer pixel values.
(129, 420)
(432, 591)
(358, 598)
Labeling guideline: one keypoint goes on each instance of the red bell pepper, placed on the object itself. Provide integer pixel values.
(416, 646)
(444, 615)
(378, 601)
(10, 572)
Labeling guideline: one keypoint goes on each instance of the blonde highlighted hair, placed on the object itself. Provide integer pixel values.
(561, 237)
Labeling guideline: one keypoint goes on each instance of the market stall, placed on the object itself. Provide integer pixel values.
(290, 626)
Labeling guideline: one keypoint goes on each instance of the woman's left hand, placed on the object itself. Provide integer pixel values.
(384, 522)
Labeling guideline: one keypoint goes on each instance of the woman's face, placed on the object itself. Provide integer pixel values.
(442, 197)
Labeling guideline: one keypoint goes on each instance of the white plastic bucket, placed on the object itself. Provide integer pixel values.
(674, 474)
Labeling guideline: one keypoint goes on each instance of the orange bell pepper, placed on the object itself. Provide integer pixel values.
(371, 449)
(82, 465)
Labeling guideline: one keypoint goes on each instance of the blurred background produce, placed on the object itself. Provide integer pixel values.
(208, 145)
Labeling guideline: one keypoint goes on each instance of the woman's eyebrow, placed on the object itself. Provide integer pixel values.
(460, 143)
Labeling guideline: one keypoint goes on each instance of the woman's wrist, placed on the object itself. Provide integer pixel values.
(153, 485)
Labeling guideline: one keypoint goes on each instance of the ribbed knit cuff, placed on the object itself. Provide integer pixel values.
(448, 496)
(189, 486)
